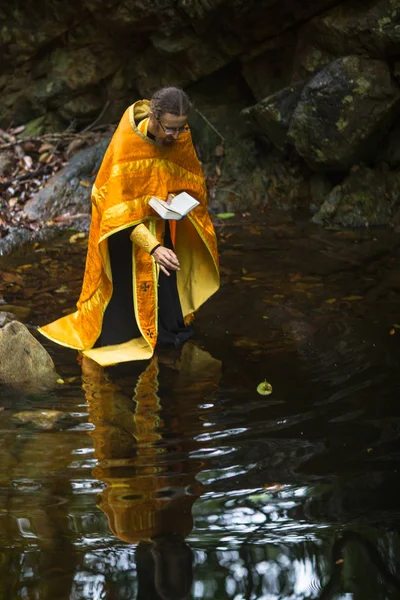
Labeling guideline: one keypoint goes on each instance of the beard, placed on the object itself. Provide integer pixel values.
(163, 142)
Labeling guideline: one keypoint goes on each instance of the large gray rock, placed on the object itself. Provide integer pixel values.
(69, 190)
(365, 198)
(23, 360)
(344, 112)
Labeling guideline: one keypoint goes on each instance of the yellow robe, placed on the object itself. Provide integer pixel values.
(133, 170)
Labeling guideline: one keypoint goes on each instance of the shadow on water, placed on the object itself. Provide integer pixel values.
(179, 481)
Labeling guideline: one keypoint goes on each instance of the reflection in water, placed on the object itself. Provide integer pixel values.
(144, 460)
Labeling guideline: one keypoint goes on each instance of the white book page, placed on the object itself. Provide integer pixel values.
(183, 203)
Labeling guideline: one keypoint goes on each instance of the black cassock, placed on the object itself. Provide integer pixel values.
(119, 322)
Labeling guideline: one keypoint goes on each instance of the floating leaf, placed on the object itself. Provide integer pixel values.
(331, 301)
(249, 278)
(227, 215)
(61, 381)
(264, 388)
(77, 236)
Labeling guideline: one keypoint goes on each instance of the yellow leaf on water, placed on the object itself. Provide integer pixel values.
(249, 278)
(77, 236)
(227, 215)
(59, 380)
(244, 271)
(351, 298)
(331, 301)
(264, 388)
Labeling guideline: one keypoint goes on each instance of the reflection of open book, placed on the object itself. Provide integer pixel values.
(180, 206)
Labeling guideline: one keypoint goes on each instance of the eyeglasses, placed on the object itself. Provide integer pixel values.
(172, 130)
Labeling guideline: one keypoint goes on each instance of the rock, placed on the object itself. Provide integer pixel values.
(268, 68)
(332, 126)
(320, 187)
(64, 192)
(45, 420)
(84, 106)
(17, 237)
(391, 153)
(355, 28)
(23, 360)
(363, 199)
(46, 124)
(273, 116)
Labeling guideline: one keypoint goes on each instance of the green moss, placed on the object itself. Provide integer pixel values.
(363, 86)
(342, 124)
(348, 100)
(382, 22)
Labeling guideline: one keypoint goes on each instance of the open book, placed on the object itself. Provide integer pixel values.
(180, 206)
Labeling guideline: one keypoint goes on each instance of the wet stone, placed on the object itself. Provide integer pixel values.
(23, 360)
(45, 420)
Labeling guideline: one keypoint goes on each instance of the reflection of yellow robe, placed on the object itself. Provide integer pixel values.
(133, 170)
(137, 468)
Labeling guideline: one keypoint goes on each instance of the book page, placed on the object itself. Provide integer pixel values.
(183, 203)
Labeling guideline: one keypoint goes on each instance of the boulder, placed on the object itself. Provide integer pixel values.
(273, 115)
(344, 112)
(69, 190)
(369, 28)
(268, 67)
(366, 197)
(23, 360)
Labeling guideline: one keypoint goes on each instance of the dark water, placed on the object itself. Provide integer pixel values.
(180, 480)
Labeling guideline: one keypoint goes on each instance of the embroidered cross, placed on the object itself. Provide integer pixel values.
(150, 334)
(144, 286)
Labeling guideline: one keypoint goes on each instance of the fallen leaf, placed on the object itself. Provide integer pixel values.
(85, 183)
(331, 301)
(249, 278)
(351, 298)
(218, 171)
(28, 161)
(392, 332)
(264, 388)
(61, 381)
(227, 215)
(77, 236)
(340, 561)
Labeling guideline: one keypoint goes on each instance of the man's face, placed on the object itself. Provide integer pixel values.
(169, 128)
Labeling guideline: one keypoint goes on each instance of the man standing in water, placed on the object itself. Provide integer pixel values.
(144, 276)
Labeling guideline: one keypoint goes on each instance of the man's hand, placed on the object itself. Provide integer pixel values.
(166, 259)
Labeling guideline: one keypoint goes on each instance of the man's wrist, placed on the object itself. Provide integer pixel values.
(154, 249)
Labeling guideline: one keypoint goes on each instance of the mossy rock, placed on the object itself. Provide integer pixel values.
(344, 112)
(361, 200)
